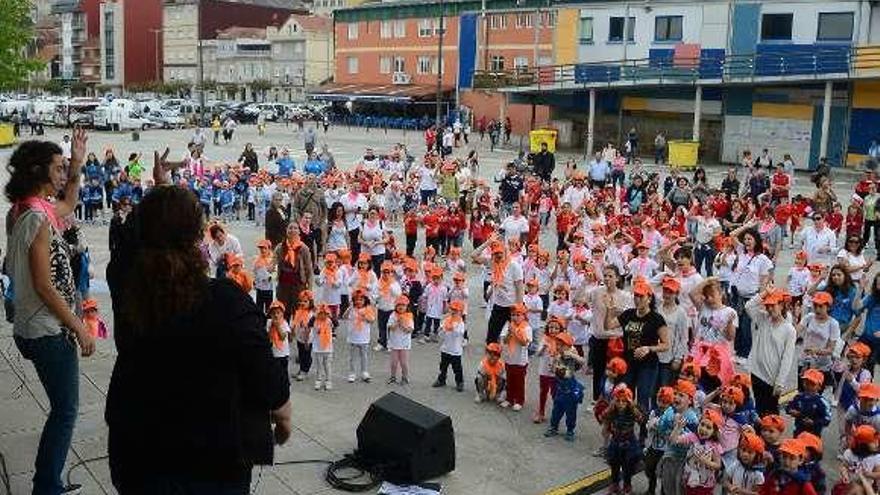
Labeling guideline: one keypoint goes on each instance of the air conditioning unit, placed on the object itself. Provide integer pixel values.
(401, 78)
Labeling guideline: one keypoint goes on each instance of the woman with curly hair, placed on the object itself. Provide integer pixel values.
(46, 327)
(194, 383)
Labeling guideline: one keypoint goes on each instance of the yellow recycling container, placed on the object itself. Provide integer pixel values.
(683, 154)
(7, 136)
(539, 136)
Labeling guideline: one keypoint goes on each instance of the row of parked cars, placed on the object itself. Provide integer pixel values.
(114, 113)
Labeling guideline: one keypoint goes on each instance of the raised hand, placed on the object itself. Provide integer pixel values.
(159, 167)
(78, 147)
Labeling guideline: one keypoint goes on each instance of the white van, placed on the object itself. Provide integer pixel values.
(120, 114)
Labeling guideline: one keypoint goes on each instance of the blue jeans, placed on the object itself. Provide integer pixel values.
(642, 379)
(564, 406)
(742, 342)
(704, 254)
(57, 366)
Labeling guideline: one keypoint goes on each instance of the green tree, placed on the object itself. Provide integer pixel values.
(54, 86)
(16, 32)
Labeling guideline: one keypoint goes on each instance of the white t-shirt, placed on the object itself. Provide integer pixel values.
(798, 280)
(504, 294)
(373, 233)
(748, 271)
(623, 300)
(397, 338)
(65, 149)
(534, 306)
(284, 349)
(579, 325)
(435, 298)
(358, 334)
(642, 267)
(515, 227)
(712, 323)
(819, 245)
(853, 261)
(520, 354)
(386, 302)
(452, 340)
(352, 205)
(817, 335)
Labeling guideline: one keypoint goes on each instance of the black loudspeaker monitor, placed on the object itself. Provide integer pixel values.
(411, 442)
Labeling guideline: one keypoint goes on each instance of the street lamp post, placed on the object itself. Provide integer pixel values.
(201, 65)
(440, 63)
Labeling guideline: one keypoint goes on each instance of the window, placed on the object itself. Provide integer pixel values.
(498, 21)
(352, 65)
(776, 27)
(524, 20)
(385, 29)
(835, 26)
(109, 55)
(586, 30)
(425, 65)
(551, 17)
(399, 64)
(352, 31)
(497, 63)
(400, 29)
(616, 26)
(667, 28)
(385, 65)
(521, 63)
(426, 28)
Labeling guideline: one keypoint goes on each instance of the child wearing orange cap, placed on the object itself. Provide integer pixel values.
(673, 461)
(744, 474)
(624, 450)
(724, 263)
(703, 459)
(434, 301)
(490, 381)
(236, 272)
(655, 443)
(798, 280)
(851, 381)
(772, 427)
(811, 411)
(866, 412)
(401, 325)
(861, 457)
(730, 399)
(534, 311)
(812, 465)
(820, 333)
(364, 277)
(321, 337)
(460, 292)
(615, 371)
(642, 265)
(451, 346)
(568, 394)
(552, 344)
(330, 282)
(92, 318)
(516, 335)
(279, 334)
(787, 478)
(560, 305)
(264, 269)
(361, 317)
(578, 326)
(301, 323)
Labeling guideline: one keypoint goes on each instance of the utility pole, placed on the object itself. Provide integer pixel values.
(440, 62)
(201, 65)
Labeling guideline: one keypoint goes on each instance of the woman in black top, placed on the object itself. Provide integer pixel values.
(249, 158)
(644, 335)
(195, 390)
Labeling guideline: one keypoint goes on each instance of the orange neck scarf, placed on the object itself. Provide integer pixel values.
(330, 274)
(499, 269)
(551, 345)
(325, 331)
(406, 320)
(290, 251)
(364, 278)
(301, 318)
(275, 336)
(450, 322)
(516, 335)
(264, 261)
(493, 373)
(93, 323)
(385, 285)
(363, 314)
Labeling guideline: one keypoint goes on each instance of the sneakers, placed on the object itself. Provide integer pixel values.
(318, 385)
(72, 489)
(504, 404)
(459, 387)
(569, 436)
(517, 407)
(435, 338)
(538, 419)
(378, 347)
(366, 377)
(299, 376)
(351, 378)
(391, 380)
(478, 399)
(328, 386)
(438, 384)
(600, 452)
(551, 432)
(404, 381)
(423, 340)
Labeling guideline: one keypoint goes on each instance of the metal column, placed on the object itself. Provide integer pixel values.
(826, 120)
(591, 119)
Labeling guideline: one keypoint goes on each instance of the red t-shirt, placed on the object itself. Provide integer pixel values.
(720, 206)
(835, 221)
(432, 224)
(780, 184)
(782, 214)
(772, 486)
(411, 224)
(564, 220)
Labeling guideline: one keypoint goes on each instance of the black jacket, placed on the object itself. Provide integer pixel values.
(192, 399)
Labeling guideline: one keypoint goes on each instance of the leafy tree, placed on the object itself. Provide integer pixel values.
(16, 32)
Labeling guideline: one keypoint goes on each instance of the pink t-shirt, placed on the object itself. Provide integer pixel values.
(695, 472)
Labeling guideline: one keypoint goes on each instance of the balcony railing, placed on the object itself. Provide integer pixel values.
(785, 62)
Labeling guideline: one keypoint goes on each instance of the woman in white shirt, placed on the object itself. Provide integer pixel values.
(853, 259)
(373, 237)
(772, 358)
(751, 273)
(611, 296)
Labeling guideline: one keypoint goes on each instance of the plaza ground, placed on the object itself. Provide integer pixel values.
(499, 452)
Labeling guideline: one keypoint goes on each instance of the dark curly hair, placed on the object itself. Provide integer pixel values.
(28, 168)
(169, 274)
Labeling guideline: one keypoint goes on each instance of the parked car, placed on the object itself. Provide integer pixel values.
(166, 119)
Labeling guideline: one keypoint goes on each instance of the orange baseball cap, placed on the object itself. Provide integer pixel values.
(493, 348)
(387, 265)
(793, 446)
(518, 308)
(714, 417)
(622, 392)
(401, 300)
(742, 380)
(814, 376)
(752, 442)
(811, 441)
(800, 255)
(89, 304)
(277, 305)
(687, 388)
(671, 284)
(691, 368)
(863, 434)
(735, 394)
(617, 366)
(869, 391)
(305, 295)
(859, 349)
(774, 297)
(665, 395)
(641, 287)
(773, 422)
(822, 297)
(456, 306)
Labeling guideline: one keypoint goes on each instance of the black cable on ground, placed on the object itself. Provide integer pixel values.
(362, 468)
(83, 462)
